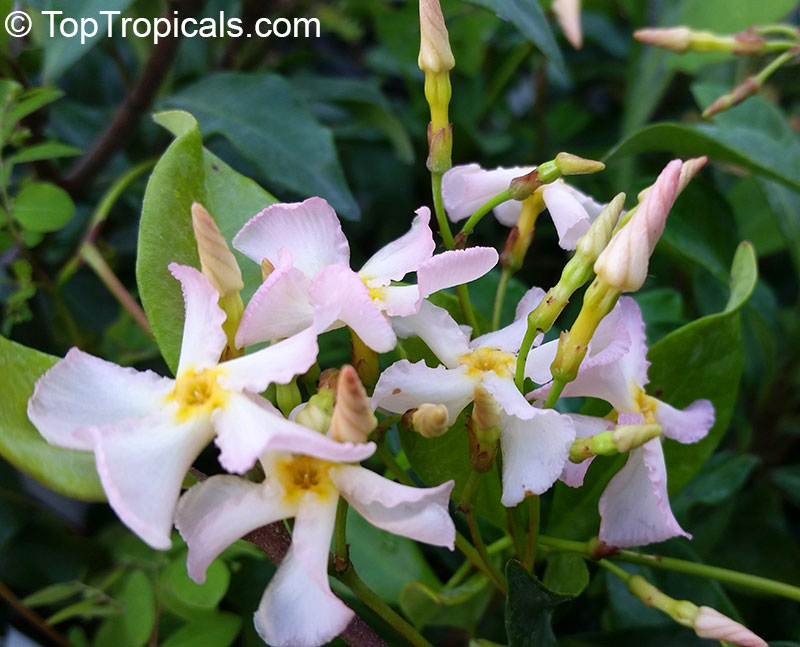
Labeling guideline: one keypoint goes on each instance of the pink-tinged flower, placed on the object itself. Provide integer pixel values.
(467, 187)
(312, 276)
(535, 442)
(568, 14)
(710, 623)
(146, 430)
(634, 508)
(298, 608)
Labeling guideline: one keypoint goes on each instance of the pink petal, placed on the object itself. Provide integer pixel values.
(438, 330)
(507, 339)
(309, 230)
(279, 308)
(402, 256)
(710, 623)
(507, 395)
(454, 267)
(420, 514)
(142, 463)
(203, 337)
(466, 188)
(534, 453)
(568, 213)
(404, 386)
(81, 391)
(216, 512)
(634, 509)
(397, 300)
(278, 363)
(568, 14)
(686, 425)
(528, 303)
(574, 473)
(339, 290)
(298, 608)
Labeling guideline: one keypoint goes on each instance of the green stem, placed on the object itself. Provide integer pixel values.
(438, 207)
(466, 308)
(764, 74)
(463, 570)
(778, 28)
(480, 546)
(499, 296)
(392, 465)
(472, 555)
(469, 489)
(619, 572)
(555, 392)
(475, 218)
(342, 554)
(373, 601)
(534, 524)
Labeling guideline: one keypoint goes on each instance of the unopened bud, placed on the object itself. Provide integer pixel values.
(628, 437)
(690, 168)
(710, 623)
(483, 426)
(676, 39)
(366, 362)
(745, 89)
(568, 14)
(317, 413)
(352, 420)
(428, 420)
(217, 262)
(288, 397)
(521, 235)
(328, 380)
(435, 55)
(594, 241)
(570, 164)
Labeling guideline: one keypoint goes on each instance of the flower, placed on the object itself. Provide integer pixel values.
(146, 430)
(535, 442)
(467, 187)
(311, 256)
(634, 508)
(298, 608)
(568, 14)
(435, 55)
(710, 623)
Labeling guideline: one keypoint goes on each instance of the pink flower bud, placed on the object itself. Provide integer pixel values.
(678, 39)
(568, 14)
(709, 623)
(435, 54)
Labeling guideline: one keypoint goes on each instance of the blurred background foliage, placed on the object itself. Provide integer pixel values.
(343, 116)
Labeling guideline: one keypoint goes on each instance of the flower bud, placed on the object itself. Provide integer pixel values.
(690, 168)
(484, 430)
(568, 14)
(745, 89)
(570, 164)
(435, 55)
(352, 420)
(217, 262)
(623, 263)
(677, 39)
(428, 420)
(317, 412)
(710, 623)
(594, 241)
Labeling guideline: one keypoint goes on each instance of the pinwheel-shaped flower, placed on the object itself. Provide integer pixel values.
(467, 187)
(145, 430)
(634, 508)
(298, 608)
(535, 442)
(311, 259)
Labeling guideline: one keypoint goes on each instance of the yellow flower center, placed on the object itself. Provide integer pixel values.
(197, 393)
(647, 406)
(376, 294)
(300, 474)
(484, 360)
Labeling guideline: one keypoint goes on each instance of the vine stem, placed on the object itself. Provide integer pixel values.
(485, 208)
(500, 296)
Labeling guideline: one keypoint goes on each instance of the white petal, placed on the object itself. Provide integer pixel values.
(401, 256)
(528, 302)
(438, 330)
(534, 453)
(298, 608)
(218, 511)
(82, 391)
(279, 308)
(537, 367)
(275, 364)
(507, 213)
(339, 290)
(203, 337)
(310, 231)
(508, 396)
(574, 473)
(453, 268)
(634, 508)
(397, 300)
(420, 514)
(710, 623)
(567, 207)
(142, 463)
(467, 187)
(507, 339)
(404, 386)
(686, 425)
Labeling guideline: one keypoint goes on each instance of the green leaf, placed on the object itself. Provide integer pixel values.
(460, 606)
(529, 609)
(71, 473)
(528, 17)
(787, 478)
(209, 630)
(566, 574)
(183, 596)
(29, 102)
(281, 138)
(703, 359)
(85, 609)
(133, 626)
(54, 593)
(187, 173)
(43, 207)
(44, 151)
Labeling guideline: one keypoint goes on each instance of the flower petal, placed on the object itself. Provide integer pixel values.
(279, 308)
(142, 463)
(528, 302)
(278, 363)
(396, 300)
(82, 391)
(417, 513)
(218, 511)
(686, 425)
(534, 453)
(453, 268)
(298, 608)
(203, 337)
(508, 396)
(467, 187)
(634, 509)
(710, 623)
(574, 473)
(401, 256)
(437, 329)
(404, 386)
(339, 291)
(571, 210)
(310, 231)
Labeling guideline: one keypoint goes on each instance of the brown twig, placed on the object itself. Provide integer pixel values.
(33, 618)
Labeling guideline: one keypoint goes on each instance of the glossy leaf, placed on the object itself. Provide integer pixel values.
(54, 593)
(529, 609)
(43, 207)
(46, 150)
(566, 574)
(133, 626)
(460, 606)
(210, 630)
(183, 596)
(71, 473)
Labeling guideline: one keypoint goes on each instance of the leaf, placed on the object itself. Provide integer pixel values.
(566, 574)
(43, 207)
(85, 609)
(528, 17)
(29, 102)
(69, 472)
(187, 173)
(703, 359)
(183, 596)
(460, 606)
(787, 478)
(274, 131)
(133, 626)
(209, 630)
(529, 609)
(53, 593)
(44, 151)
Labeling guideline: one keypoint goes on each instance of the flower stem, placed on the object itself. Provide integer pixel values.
(392, 465)
(499, 296)
(764, 74)
(476, 217)
(555, 392)
(480, 546)
(466, 307)
(438, 207)
(341, 553)
(616, 570)
(534, 523)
